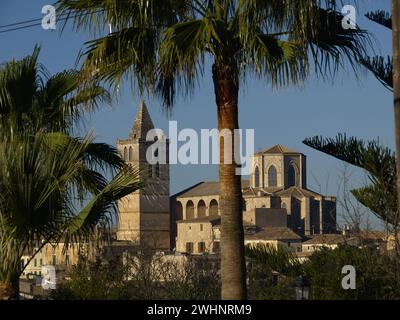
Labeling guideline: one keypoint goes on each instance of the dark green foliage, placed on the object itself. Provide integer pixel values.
(52, 185)
(380, 164)
(382, 70)
(98, 280)
(376, 277)
(382, 17)
(163, 46)
(272, 273)
(143, 276)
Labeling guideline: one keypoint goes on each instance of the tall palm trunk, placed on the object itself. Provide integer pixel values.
(9, 290)
(233, 268)
(396, 100)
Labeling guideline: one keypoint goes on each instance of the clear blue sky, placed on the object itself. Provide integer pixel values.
(357, 107)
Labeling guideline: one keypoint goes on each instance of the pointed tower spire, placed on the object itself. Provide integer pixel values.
(142, 123)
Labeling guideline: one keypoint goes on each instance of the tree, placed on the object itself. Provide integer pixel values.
(163, 46)
(388, 72)
(381, 68)
(271, 272)
(380, 164)
(52, 185)
(375, 275)
(396, 85)
(143, 275)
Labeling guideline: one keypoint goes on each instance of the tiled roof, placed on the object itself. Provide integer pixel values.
(331, 238)
(277, 149)
(273, 234)
(296, 191)
(211, 188)
(373, 235)
(250, 191)
(206, 188)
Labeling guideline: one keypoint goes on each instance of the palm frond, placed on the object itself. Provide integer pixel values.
(102, 206)
(277, 259)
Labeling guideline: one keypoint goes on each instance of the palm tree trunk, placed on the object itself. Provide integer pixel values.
(9, 290)
(233, 268)
(396, 96)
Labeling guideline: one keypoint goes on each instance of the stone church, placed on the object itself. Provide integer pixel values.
(277, 205)
(144, 216)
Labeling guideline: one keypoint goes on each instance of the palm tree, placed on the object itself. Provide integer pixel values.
(52, 185)
(164, 45)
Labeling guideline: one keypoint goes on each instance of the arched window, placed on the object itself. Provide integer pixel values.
(291, 176)
(256, 178)
(130, 154)
(201, 209)
(272, 177)
(125, 154)
(178, 211)
(189, 210)
(283, 205)
(213, 207)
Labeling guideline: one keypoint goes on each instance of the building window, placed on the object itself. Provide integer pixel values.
(201, 246)
(130, 154)
(125, 154)
(67, 260)
(41, 262)
(201, 209)
(283, 205)
(256, 177)
(291, 176)
(157, 170)
(54, 260)
(244, 205)
(35, 262)
(201, 227)
(213, 207)
(190, 210)
(216, 246)
(272, 177)
(150, 171)
(189, 247)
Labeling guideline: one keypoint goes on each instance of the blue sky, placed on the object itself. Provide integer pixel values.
(362, 108)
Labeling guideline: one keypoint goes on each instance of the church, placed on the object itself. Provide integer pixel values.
(278, 207)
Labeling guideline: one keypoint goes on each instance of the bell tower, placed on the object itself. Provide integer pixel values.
(144, 215)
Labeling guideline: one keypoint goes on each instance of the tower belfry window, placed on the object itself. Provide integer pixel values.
(291, 176)
(130, 154)
(125, 154)
(256, 177)
(272, 177)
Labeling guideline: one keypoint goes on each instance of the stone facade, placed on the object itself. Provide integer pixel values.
(277, 185)
(144, 216)
(277, 190)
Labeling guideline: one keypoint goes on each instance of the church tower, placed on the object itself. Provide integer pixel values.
(144, 215)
